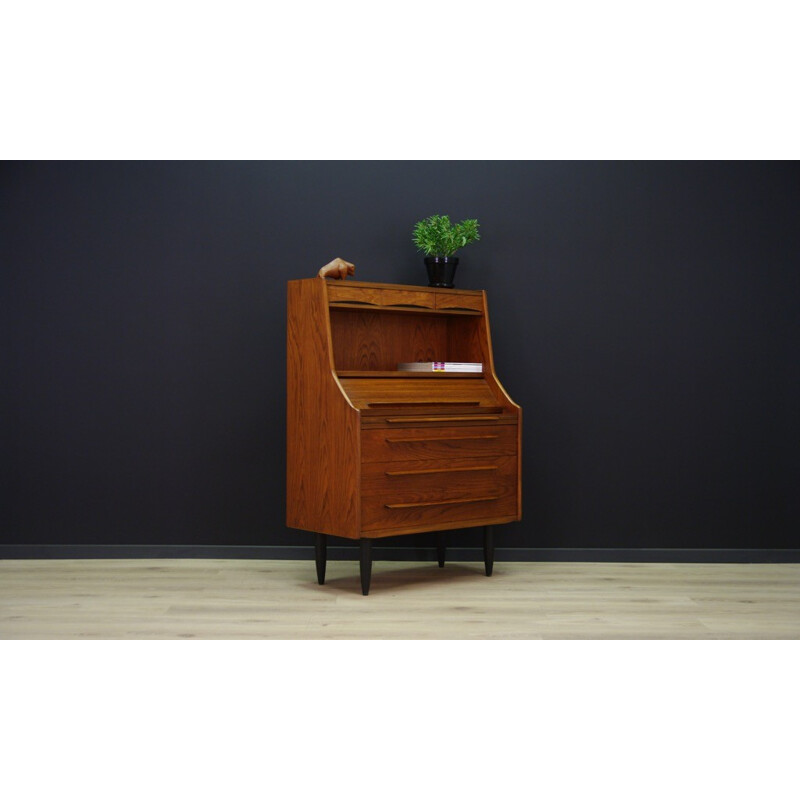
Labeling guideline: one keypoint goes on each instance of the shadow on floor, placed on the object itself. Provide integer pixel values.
(389, 578)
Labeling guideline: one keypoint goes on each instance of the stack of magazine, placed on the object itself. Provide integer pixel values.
(440, 366)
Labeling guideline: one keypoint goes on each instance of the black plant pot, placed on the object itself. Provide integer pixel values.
(441, 271)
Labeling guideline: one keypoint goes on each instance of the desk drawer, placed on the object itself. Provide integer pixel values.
(381, 297)
(468, 441)
(459, 302)
(437, 479)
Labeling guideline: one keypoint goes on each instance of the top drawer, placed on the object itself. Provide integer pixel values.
(381, 297)
(459, 302)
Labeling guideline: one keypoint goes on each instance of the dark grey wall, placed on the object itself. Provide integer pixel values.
(645, 315)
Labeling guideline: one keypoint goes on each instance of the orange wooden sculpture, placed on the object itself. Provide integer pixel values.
(338, 269)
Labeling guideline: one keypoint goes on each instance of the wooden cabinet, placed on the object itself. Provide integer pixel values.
(372, 451)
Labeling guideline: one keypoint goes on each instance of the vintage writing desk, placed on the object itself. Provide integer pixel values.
(375, 452)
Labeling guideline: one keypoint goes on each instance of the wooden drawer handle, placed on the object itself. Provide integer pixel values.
(441, 502)
(441, 438)
(395, 473)
(462, 418)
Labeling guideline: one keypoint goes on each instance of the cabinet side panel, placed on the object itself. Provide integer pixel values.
(322, 429)
(485, 343)
(497, 387)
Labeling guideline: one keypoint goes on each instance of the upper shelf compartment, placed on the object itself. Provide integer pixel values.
(411, 298)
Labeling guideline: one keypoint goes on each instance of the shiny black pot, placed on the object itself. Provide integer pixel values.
(441, 271)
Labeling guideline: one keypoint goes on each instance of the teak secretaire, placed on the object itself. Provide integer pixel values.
(373, 451)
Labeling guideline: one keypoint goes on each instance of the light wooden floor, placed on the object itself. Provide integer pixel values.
(228, 599)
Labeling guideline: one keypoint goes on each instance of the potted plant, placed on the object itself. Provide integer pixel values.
(439, 240)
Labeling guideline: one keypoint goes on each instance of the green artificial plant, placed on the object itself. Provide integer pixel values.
(435, 236)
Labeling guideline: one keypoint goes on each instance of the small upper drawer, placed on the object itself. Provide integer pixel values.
(456, 302)
(408, 297)
(342, 293)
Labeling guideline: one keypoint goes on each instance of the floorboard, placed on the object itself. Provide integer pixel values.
(250, 599)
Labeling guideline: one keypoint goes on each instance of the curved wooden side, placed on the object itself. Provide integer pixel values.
(493, 380)
(323, 452)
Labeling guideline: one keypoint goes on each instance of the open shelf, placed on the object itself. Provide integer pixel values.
(368, 341)
(447, 312)
(374, 373)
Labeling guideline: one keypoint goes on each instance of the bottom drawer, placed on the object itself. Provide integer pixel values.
(378, 516)
(403, 498)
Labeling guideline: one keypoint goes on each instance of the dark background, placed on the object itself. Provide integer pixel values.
(645, 315)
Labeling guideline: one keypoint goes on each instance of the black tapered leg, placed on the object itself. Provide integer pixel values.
(321, 550)
(441, 544)
(366, 564)
(488, 549)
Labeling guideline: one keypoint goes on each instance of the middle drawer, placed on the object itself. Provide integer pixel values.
(438, 479)
(467, 441)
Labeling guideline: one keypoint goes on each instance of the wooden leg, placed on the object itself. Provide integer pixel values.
(441, 543)
(488, 549)
(366, 565)
(321, 551)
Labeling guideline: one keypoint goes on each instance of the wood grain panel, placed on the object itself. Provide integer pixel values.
(360, 373)
(354, 284)
(322, 429)
(439, 479)
(465, 337)
(379, 340)
(404, 297)
(366, 391)
(350, 293)
(442, 418)
(389, 444)
(373, 340)
(499, 391)
(376, 516)
(459, 300)
(396, 416)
